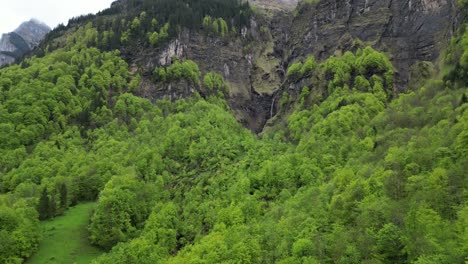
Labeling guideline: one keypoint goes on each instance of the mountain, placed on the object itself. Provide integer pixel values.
(227, 131)
(15, 44)
(278, 35)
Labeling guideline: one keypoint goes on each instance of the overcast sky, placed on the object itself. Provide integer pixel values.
(51, 12)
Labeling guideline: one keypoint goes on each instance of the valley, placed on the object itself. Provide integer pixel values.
(208, 131)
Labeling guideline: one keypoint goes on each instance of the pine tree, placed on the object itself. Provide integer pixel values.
(464, 99)
(63, 196)
(43, 206)
(52, 207)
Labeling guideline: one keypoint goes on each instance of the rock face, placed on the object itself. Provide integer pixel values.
(408, 30)
(32, 31)
(226, 57)
(254, 64)
(275, 4)
(15, 44)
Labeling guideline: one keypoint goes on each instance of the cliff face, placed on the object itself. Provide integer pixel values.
(254, 59)
(32, 31)
(230, 58)
(15, 44)
(275, 4)
(408, 30)
(6, 50)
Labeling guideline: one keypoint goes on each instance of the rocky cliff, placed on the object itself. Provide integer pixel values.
(407, 30)
(15, 44)
(275, 4)
(255, 58)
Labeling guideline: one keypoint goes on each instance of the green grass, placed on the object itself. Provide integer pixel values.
(65, 239)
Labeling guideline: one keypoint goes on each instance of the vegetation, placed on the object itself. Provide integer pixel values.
(214, 83)
(19, 232)
(463, 4)
(67, 233)
(358, 175)
(158, 37)
(125, 24)
(218, 26)
(298, 70)
(187, 70)
(457, 60)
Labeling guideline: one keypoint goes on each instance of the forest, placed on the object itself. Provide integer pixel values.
(354, 174)
(126, 25)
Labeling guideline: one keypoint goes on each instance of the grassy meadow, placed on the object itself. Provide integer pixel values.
(65, 239)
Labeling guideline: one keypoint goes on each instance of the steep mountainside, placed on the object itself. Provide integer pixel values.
(255, 60)
(357, 150)
(15, 44)
(408, 31)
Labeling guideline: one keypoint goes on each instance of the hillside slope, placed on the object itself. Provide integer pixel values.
(139, 112)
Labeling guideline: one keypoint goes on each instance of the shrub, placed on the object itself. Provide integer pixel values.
(295, 70)
(214, 82)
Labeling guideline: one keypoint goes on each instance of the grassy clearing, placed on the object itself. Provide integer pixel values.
(65, 239)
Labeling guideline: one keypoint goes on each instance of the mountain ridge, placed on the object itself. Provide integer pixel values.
(23, 39)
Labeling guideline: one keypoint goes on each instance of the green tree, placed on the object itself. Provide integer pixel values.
(295, 70)
(44, 205)
(63, 196)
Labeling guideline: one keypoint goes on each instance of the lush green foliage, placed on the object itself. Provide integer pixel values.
(47, 107)
(213, 83)
(19, 232)
(218, 26)
(153, 22)
(158, 37)
(298, 70)
(457, 60)
(350, 178)
(186, 70)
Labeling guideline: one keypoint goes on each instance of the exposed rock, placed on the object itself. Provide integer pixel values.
(6, 50)
(32, 31)
(174, 50)
(226, 56)
(254, 64)
(409, 30)
(226, 70)
(170, 91)
(15, 44)
(275, 4)
(6, 43)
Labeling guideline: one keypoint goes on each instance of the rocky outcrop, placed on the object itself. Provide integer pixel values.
(275, 4)
(407, 30)
(174, 49)
(227, 56)
(7, 49)
(32, 31)
(15, 44)
(254, 62)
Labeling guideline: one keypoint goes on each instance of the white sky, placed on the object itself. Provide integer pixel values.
(51, 12)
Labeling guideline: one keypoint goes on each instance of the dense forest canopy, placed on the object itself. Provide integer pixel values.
(135, 22)
(355, 174)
